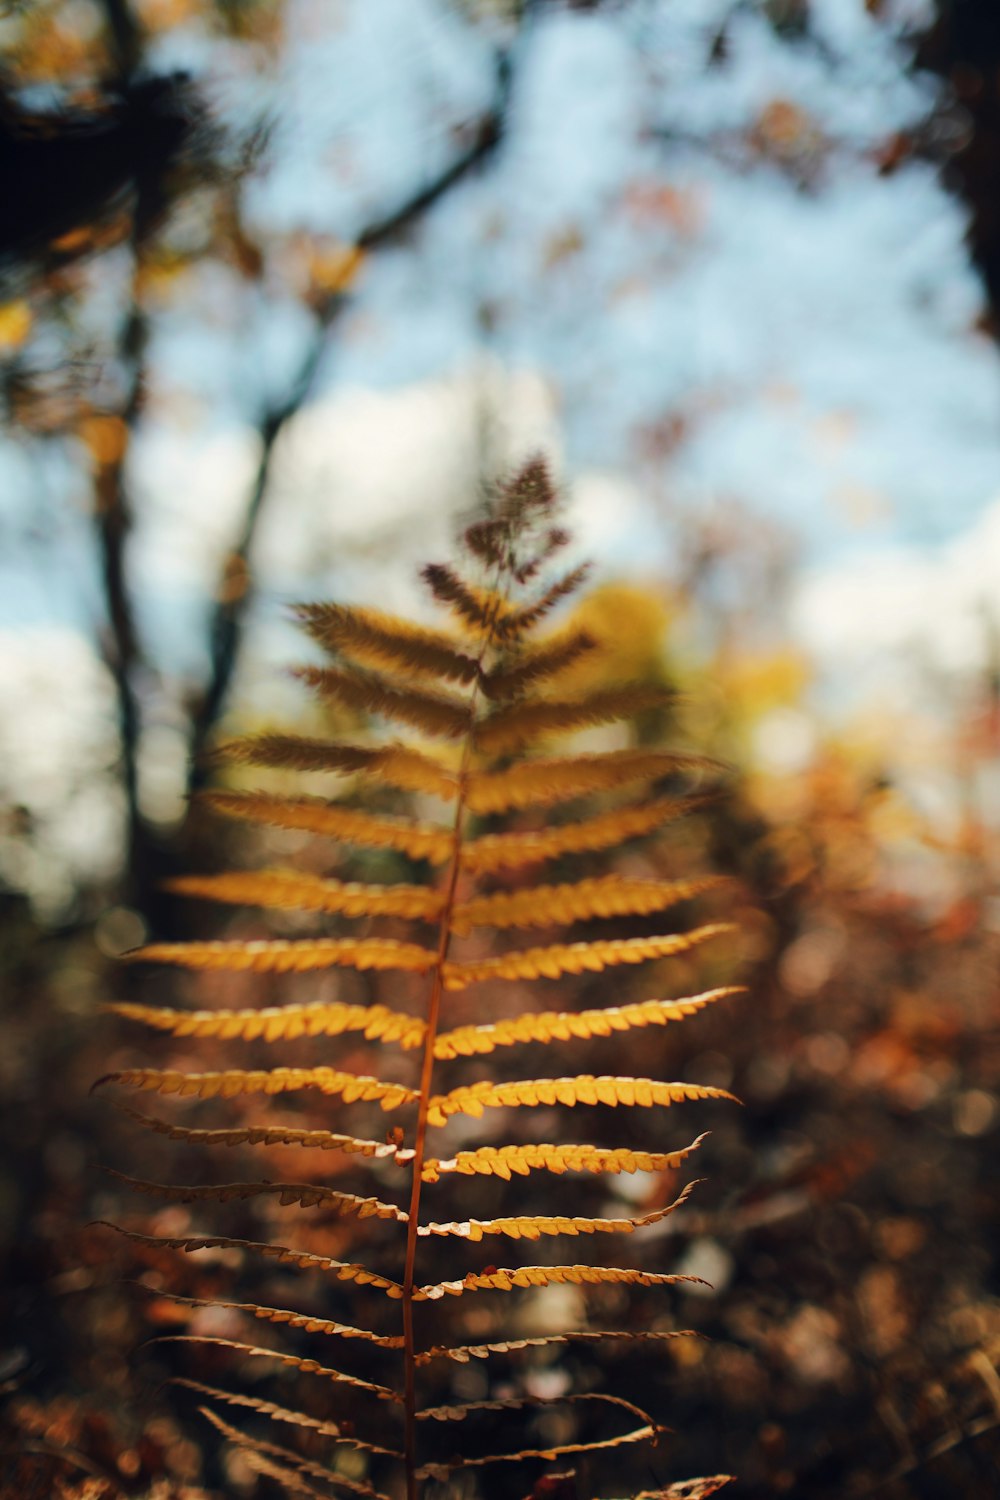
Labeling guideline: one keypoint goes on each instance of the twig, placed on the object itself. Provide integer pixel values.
(233, 596)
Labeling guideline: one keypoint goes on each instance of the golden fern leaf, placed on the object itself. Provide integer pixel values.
(522, 620)
(512, 677)
(516, 725)
(288, 890)
(577, 958)
(285, 1455)
(434, 713)
(561, 778)
(473, 1098)
(484, 612)
(265, 1408)
(522, 1277)
(463, 1353)
(305, 1322)
(552, 1025)
(496, 851)
(373, 638)
(396, 765)
(351, 1086)
(291, 1361)
(533, 1226)
(269, 1135)
(282, 957)
(315, 815)
(508, 1161)
(305, 1193)
(284, 1022)
(604, 896)
(294, 1482)
(304, 1259)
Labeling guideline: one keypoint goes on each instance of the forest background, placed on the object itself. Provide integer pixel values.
(285, 287)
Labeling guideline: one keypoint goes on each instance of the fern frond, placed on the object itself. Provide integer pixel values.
(396, 765)
(638, 1435)
(265, 1408)
(515, 1403)
(305, 1193)
(316, 815)
(473, 1098)
(526, 619)
(282, 1022)
(529, 667)
(373, 638)
(688, 1489)
(518, 724)
(604, 896)
(288, 890)
(295, 1461)
(577, 958)
(351, 1086)
(521, 1277)
(434, 713)
(305, 1322)
(496, 851)
(282, 957)
(533, 1226)
(560, 778)
(552, 1025)
(508, 1161)
(483, 612)
(463, 1353)
(269, 1135)
(189, 1244)
(292, 1361)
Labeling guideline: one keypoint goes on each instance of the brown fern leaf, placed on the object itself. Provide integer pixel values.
(351, 1086)
(315, 815)
(515, 1403)
(578, 958)
(604, 896)
(434, 713)
(552, 1025)
(518, 724)
(288, 890)
(396, 765)
(526, 619)
(542, 782)
(305, 1193)
(295, 1460)
(533, 1226)
(484, 612)
(645, 1434)
(584, 1089)
(269, 1135)
(264, 1408)
(292, 1361)
(372, 638)
(497, 851)
(305, 1322)
(283, 957)
(508, 1161)
(462, 1354)
(343, 1270)
(521, 1277)
(687, 1489)
(282, 1023)
(535, 665)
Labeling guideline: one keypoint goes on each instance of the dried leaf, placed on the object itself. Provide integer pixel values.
(282, 957)
(578, 958)
(638, 1435)
(316, 815)
(305, 1193)
(515, 1403)
(305, 1322)
(518, 724)
(382, 640)
(507, 1161)
(552, 1025)
(263, 1408)
(295, 1460)
(269, 1135)
(533, 1226)
(462, 1354)
(434, 713)
(473, 1098)
(605, 896)
(542, 782)
(496, 851)
(351, 1086)
(397, 765)
(292, 1361)
(288, 890)
(282, 1023)
(520, 1277)
(512, 677)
